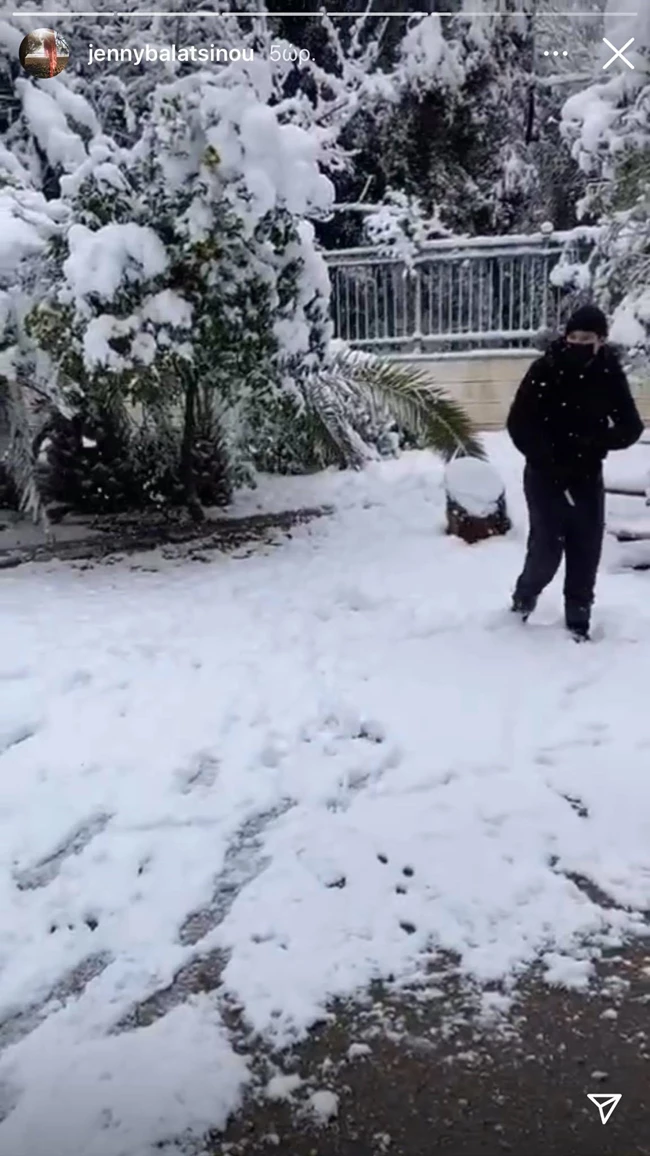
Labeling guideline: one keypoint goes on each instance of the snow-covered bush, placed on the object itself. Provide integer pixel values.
(103, 462)
(191, 263)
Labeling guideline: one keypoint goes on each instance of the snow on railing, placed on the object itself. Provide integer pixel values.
(455, 293)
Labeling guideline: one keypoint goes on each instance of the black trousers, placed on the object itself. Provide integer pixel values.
(569, 523)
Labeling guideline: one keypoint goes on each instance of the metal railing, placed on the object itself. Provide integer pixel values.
(454, 296)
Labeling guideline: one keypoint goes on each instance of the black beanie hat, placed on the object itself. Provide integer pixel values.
(590, 318)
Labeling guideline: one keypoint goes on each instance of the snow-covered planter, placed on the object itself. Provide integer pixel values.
(476, 500)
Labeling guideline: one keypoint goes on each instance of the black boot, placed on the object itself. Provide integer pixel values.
(523, 606)
(577, 621)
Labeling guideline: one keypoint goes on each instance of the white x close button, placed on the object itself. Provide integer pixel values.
(618, 52)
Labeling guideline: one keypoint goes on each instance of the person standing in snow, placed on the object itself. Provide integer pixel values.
(573, 406)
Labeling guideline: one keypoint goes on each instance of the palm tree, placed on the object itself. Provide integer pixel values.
(352, 382)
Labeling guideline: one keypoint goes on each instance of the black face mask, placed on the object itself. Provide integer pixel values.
(578, 356)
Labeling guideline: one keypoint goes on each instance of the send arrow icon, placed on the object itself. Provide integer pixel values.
(605, 1102)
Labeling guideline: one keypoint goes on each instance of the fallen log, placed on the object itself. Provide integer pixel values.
(476, 501)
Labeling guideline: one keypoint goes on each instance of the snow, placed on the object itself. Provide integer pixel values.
(274, 165)
(626, 329)
(26, 224)
(277, 741)
(282, 1087)
(101, 165)
(629, 468)
(100, 260)
(400, 227)
(18, 238)
(74, 106)
(119, 1086)
(593, 110)
(424, 53)
(474, 485)
(324, 1105)
(47, 120)
(570, 274)
(167, 308)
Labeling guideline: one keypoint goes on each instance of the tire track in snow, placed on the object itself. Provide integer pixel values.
(46, 869)
(243, 861)
(18, 1024)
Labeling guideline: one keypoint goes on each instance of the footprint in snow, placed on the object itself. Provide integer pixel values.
(202, 772)
(577, 805)
(90, 921)
(18, 734)
(346, 724)
(401, 888)
(408, 872)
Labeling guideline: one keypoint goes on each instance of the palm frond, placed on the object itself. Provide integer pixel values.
(350, 381)
(19, 457)
(328, 396)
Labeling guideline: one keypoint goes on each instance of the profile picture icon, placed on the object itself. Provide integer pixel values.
(44, 53)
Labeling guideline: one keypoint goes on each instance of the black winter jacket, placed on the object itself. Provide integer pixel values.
(566, 420)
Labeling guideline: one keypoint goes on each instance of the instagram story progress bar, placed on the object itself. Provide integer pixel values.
(324, 11)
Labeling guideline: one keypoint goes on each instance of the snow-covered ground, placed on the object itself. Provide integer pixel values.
(278, 742)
